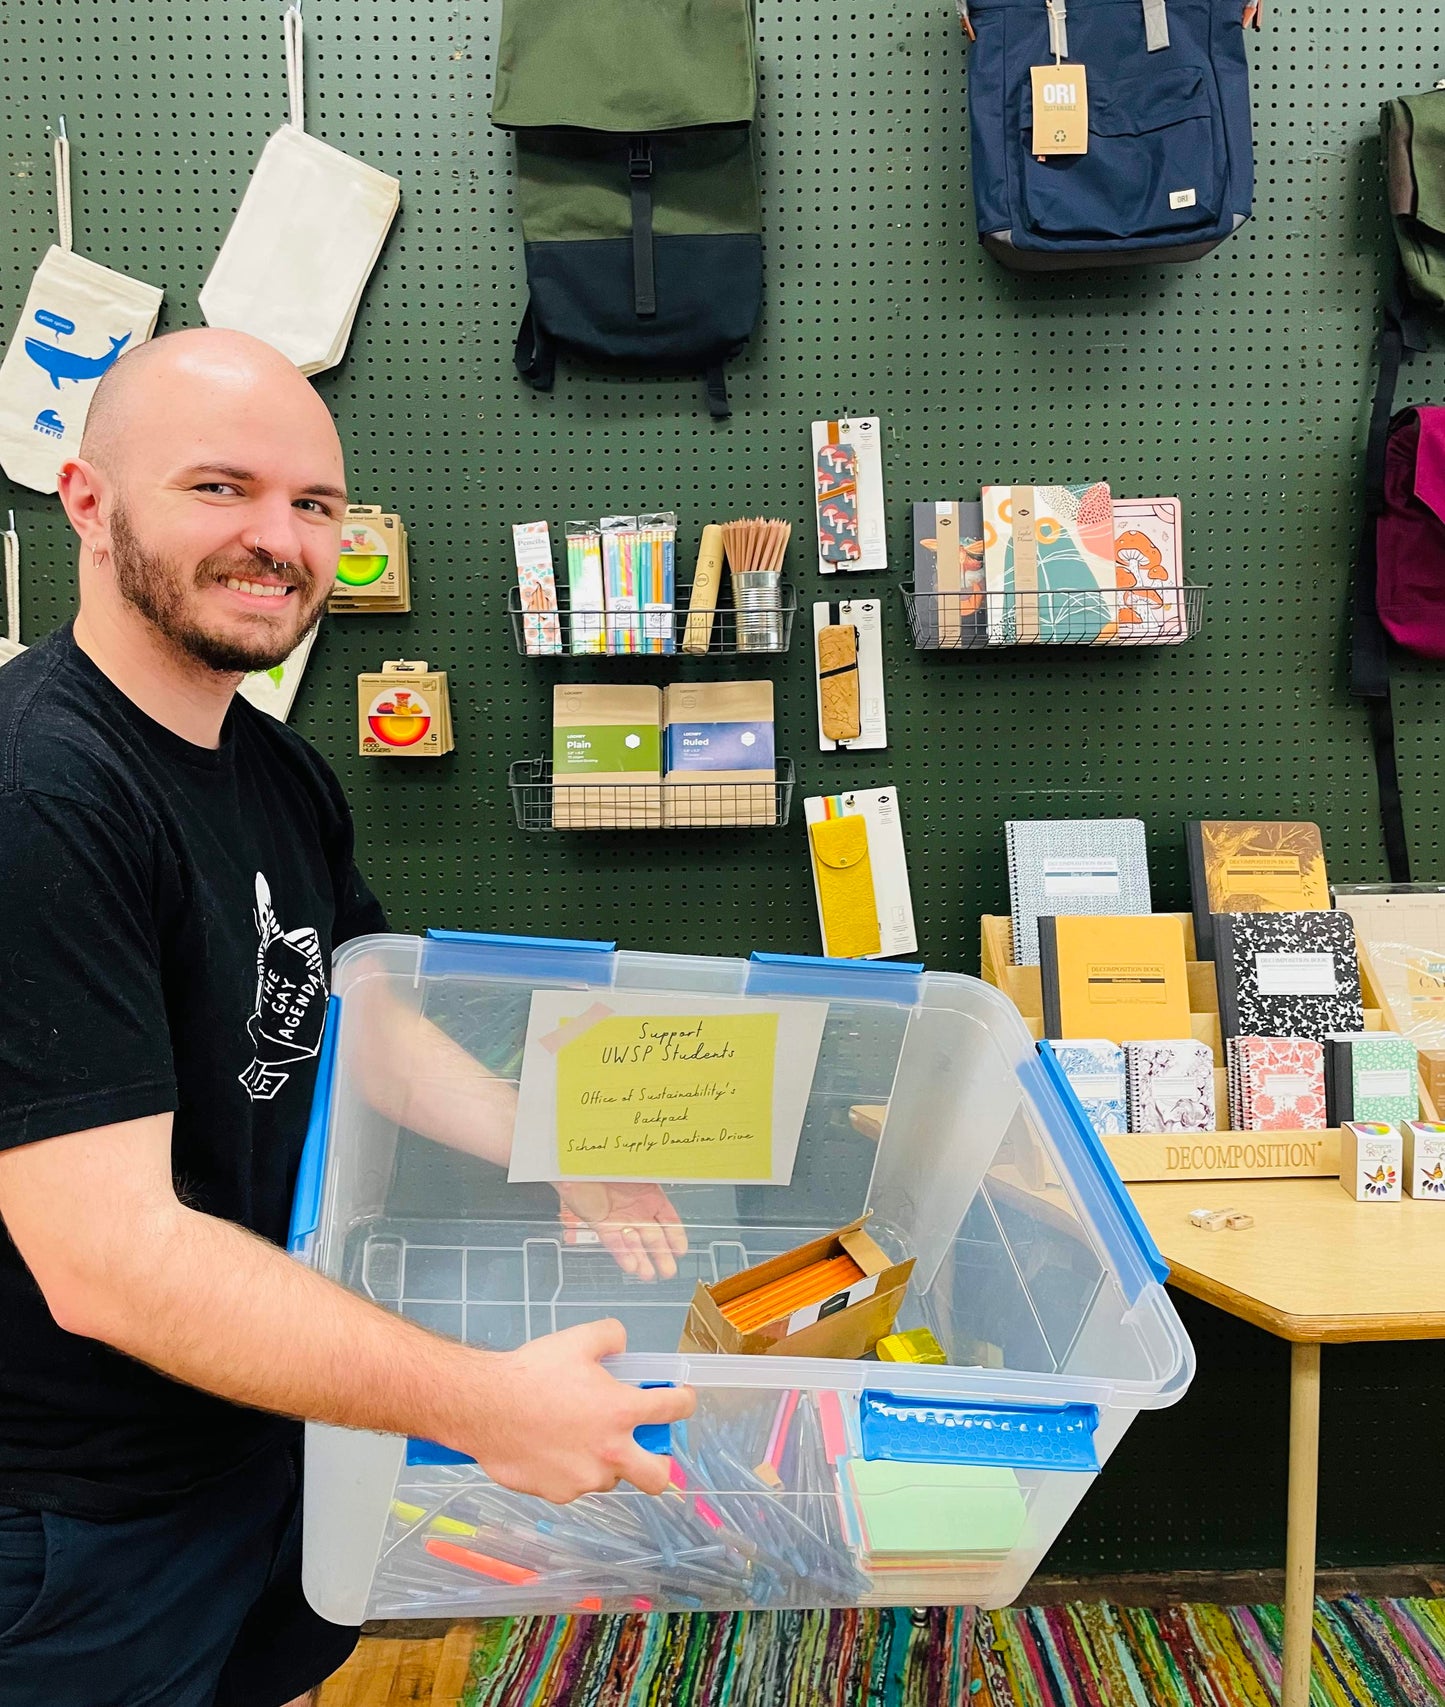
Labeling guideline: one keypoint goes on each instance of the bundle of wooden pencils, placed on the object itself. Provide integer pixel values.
(779, 1298)
(756, 544)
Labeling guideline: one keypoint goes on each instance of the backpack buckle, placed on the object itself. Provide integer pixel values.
(639, 160)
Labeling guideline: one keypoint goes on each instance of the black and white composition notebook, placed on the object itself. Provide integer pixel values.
(1073, 865)
(1287, 974)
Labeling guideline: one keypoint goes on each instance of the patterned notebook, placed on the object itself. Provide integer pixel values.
(1095, 1069)
(1049, 563)
(1276, 1084)
(1371, 1076)
(1287, 974)
(1073, 865)
(939, 618)
(1171, 1086)
(1149, 571)
(1252, 866)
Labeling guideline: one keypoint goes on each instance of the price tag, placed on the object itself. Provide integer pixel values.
(1061, 110)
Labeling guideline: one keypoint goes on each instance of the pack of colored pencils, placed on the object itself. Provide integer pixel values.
(639, 573)
(587, 605)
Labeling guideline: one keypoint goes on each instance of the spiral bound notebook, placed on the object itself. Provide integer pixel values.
(1171, 1085)
(1287, 974)
(1070, 866)
(1276, 1084)
(1094, 1068)
(1371, 1076)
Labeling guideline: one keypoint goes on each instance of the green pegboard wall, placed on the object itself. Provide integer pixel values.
(1239, 383)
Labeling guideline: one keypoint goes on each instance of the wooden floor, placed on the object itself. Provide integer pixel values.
(427, 1663)
(387, 1671)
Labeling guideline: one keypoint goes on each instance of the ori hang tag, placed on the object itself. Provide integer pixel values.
(1061, 110)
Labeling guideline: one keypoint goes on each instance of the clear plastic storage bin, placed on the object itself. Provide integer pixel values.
(893, 1484)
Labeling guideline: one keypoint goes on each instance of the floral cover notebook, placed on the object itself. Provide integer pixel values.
(1277, 1084)
(1171, 1086)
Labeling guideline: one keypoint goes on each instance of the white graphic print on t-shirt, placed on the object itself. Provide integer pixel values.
(290, 999)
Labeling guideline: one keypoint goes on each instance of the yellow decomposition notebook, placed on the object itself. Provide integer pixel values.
(1119, 977)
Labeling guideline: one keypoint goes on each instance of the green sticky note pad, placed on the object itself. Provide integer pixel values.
(937, 1508)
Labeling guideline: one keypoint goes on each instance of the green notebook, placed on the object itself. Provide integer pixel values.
(936, 1509)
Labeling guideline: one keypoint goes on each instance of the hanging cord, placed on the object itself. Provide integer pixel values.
(295, 67)
(62, 189)
(12, 582)
(1058, 30)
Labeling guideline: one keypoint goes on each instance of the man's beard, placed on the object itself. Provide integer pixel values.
(156, 587)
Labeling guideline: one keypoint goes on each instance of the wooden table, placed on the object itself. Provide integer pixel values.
(1315, 1268)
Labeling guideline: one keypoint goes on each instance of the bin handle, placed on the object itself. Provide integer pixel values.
(964, 1431)
(651, 1437)
(310, 1175)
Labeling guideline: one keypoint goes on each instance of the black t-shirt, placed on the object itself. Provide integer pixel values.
(167, 919)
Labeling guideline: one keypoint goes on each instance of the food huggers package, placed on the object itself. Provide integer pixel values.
(304, 240)
(10, 646)
(78, 318)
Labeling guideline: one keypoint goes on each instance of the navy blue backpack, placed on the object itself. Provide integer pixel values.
(1169, 171)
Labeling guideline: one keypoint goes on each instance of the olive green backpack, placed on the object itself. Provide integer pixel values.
(1413, 321)
(1414, 131)
(636, 182)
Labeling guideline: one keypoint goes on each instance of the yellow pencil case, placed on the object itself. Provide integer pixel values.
(844, 876)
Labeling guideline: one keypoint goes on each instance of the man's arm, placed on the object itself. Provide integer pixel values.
(120, 1259)
(418, 1076)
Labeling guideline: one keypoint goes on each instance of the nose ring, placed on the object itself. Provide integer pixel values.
(261, 551)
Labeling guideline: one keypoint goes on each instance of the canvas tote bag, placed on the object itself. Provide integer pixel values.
(78, 318)
(305, 238)
(10, 646)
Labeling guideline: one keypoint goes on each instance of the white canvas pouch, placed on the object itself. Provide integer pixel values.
(304, 240)
(78, 318)
(10, 646)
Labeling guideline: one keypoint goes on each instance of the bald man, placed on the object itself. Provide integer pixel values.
(164, 848)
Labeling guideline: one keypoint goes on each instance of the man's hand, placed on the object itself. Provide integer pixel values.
(413, 1072)
(636, 1223)
(120, 1259)
(559, 1425)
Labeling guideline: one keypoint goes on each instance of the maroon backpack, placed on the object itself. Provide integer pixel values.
(1410, 533)
(1399, 592)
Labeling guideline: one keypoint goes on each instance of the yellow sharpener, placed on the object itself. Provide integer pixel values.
(916, 1346)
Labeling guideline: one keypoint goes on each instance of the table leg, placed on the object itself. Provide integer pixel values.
(1299, 1556)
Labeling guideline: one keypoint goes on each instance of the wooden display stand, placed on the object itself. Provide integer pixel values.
(1225, 1154)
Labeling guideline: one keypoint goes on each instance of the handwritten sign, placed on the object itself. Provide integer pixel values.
(664, 1088)
(677, 1097)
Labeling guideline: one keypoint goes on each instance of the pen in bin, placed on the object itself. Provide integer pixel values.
(695, 1567)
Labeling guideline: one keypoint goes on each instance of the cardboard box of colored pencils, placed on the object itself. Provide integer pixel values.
(835, 1297)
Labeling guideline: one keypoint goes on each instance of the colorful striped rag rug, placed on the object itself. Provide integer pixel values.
(888, 1658)
(1368, 1653)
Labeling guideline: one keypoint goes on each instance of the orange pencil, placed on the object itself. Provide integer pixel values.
(815, 1274)
(481, 1563)
(816, 1281)
(781, 1297)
